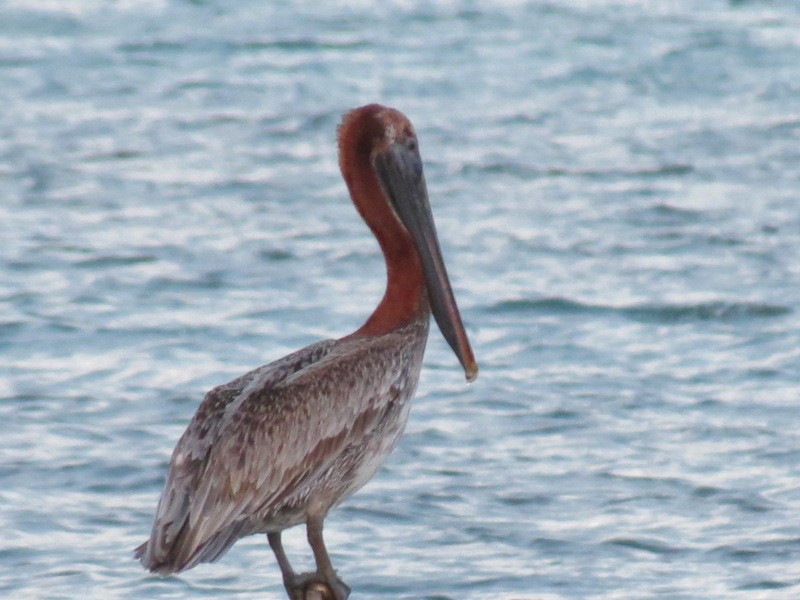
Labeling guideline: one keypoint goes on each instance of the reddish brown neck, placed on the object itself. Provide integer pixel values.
(405, 297)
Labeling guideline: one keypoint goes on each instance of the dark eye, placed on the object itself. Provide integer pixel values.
(412, 144)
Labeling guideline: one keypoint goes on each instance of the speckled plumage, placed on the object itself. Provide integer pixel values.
(313, 426)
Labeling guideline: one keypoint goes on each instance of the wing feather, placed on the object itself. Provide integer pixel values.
(262, 441)
(190, 457)
(278, 443)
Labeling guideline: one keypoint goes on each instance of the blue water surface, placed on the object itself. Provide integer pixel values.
(617, 188)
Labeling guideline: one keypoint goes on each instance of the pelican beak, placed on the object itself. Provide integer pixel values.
(399, 170)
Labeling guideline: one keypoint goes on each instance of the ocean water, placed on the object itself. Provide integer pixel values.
(616, 186)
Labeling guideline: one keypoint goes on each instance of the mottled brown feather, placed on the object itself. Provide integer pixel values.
(298, 435)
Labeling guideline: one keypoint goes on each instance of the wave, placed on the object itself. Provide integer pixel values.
(526, 171)
(718, 310)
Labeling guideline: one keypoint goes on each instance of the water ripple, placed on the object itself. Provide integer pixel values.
(615, 189)
(656, 313)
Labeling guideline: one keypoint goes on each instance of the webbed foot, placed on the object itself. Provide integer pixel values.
(312, 586)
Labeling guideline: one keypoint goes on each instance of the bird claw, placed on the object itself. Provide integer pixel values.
(341, 590)
(311, 586)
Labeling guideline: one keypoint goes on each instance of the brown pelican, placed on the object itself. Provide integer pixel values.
(288, 441)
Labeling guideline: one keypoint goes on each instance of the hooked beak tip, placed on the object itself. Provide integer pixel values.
(471, 372)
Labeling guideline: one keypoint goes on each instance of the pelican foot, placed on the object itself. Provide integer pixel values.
(312, 586)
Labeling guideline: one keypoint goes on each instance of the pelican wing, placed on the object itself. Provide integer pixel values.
(191, 455)
(271, 443)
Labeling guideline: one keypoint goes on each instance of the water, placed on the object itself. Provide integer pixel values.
(616, 191)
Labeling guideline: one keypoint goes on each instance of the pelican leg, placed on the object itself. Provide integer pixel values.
(324, 566)
(303, 586)
(289, 576)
